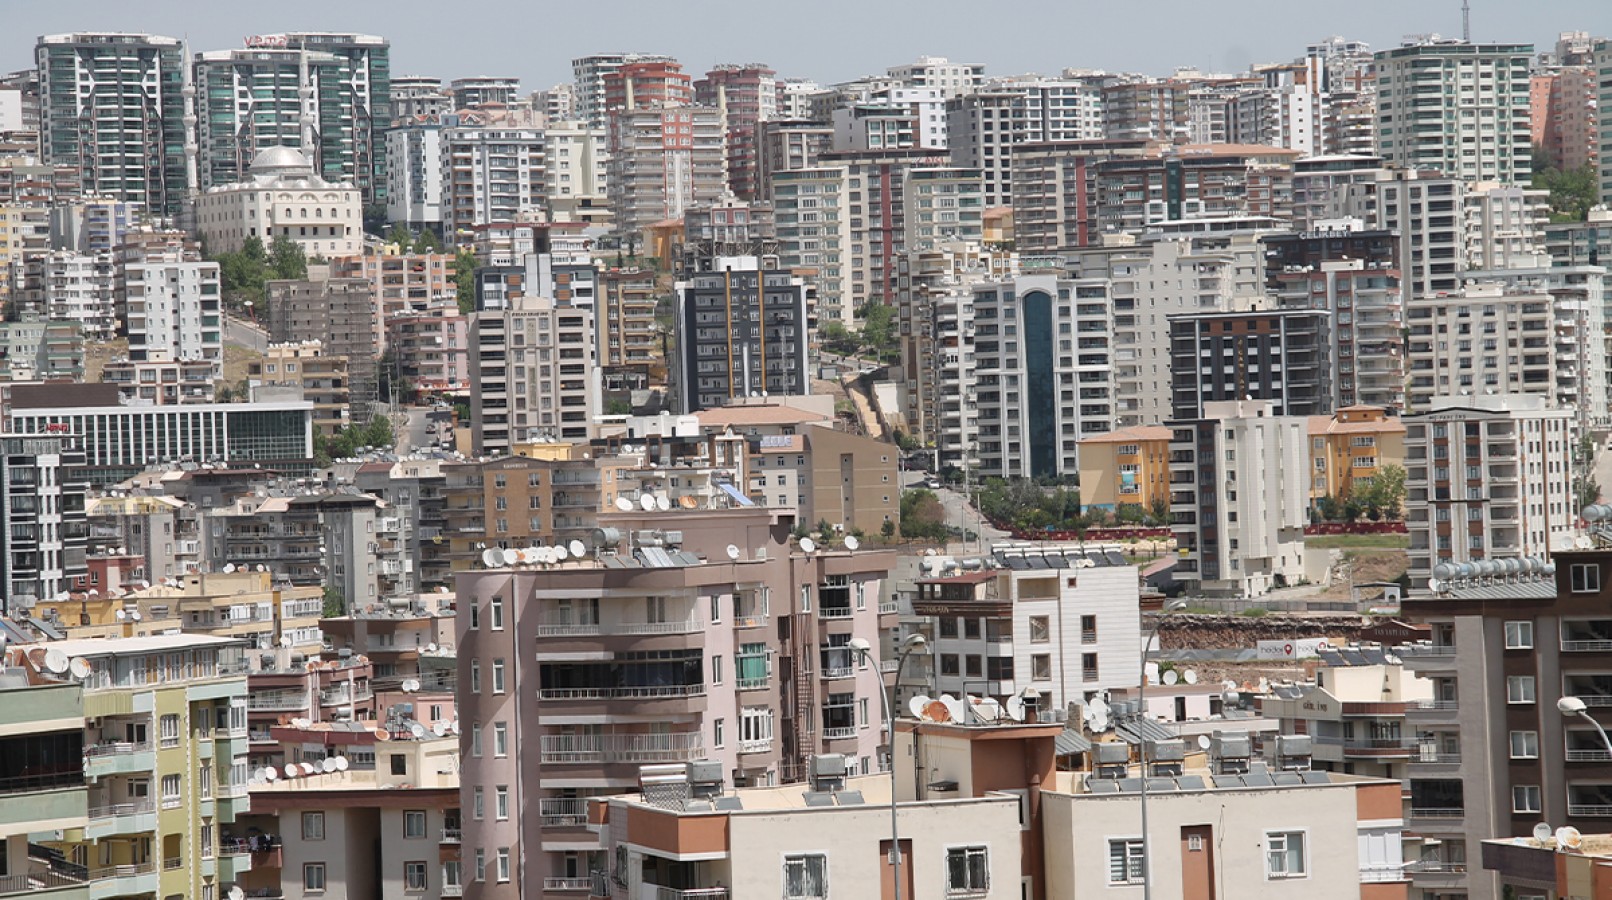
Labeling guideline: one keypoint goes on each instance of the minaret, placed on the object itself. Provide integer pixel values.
(305, 100)
(187, 91)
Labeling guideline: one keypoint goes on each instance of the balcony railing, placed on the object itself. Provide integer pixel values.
(1425, 650)
(1437, 812)
(112, 810)
(172, 863)
(666, 893)
(451, 835)
(644, 692)
(563, 812)
(1589, 810)
(593, 629)
(567, 884)
(831, 672)
(1586, 646)
(835, 612)
(836, 734)
(1436, 867)
(42, 879)
(613, 748)
(763, 745)
(1435, 705)
(128, 871)
(1588, 755)
(118, 748)
(889, 607)
(754, 684)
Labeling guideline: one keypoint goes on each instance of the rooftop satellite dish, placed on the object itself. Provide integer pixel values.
(292, 771)
(1171, 677)
(439, 729)
(1569, 837)
(1190, 676)
(79, 667)
(271, 774)
(558, 553)
(135, 615)
(1434, 585)
(262, 568)
(1097, 718)
(301, 722)
(229, 568)
(1545, 834)
(328, 765)
(623, 504)
(431, 647)
(953, 706)
(851, 543)
(916, 705)
(491, 558)
(510, 556)
(120, 615)
(410, 685)
(807, 545)
(235, 893)
(94, 592)
(936, 711)
(687, 502)
(417, 730)
(342, 764)
(310, 769)
(1204, 742)
(285, 641)
(1015, 707)
(56, 661)
(662, 502)
(454, 727)
(528, 556)
(733, 554)
(647, 501)
(577, 548)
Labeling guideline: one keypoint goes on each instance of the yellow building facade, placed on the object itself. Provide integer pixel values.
(1350, 446)
(1128, 466)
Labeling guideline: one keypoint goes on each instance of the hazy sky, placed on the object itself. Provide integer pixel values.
(826, 40)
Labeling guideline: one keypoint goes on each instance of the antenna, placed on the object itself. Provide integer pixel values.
(1545, 834)
(647, 501)
(1190, 676)
(1466, 21)
(662, 502)
(491, 558)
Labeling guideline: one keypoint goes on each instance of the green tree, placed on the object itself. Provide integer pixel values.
(400, 236)
(464, 280)
(287, 261)
(879, 329)
(888, 529)
(379, 432)
(922, 516)
(427, 242)
(1383, 493)
(1572, 193)
(335, 603)
(1586, 490)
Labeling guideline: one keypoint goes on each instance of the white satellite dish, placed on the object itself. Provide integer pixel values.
(491, 558)
(1190, 676)
(431, 648)
(578, 549)
(342, 764)
(987, 710)
(262, 568)
(851, 543)
(285, 641)
(454, 726)
(410, 685)
(135, 615)
(292, 771)
(120, 615)
(271, 774)
(733, 552)
(916, 705)
(301, 723)
(663, 502)
(558, 553)
(807, 545)
(1097, 718)
(56, 661)
(623, 504)
(310, 769)
(439, 729)
(328, 765)
(1151, 671)
(1569, 837)
(647, 501)
(954, 707)
(1434, 585)
(235, 893)
(1545, 834)
(417, 730)
(510, 556)
(229, 568)
(1171, 677)
(79, 667)
(528, 556)
(1015, 708)
(94, 592)
(1204, 742)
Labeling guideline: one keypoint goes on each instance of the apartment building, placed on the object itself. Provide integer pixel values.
(1349, 447)
(1499, 464)
(1239, 497)
(1194, 181)
(647, 84)
(65, 285)
(44, 495)
(162, 382)
(1360, 713)
(414, 489)
(1126, 467)
(24, 232)
(33, 348)
(1043, 372)
(951, 79)
(42, 733)
(1321, 185)
(431, 348)
(483, 90)
(984, 127)
(1283, 356)
(401, 640)
(91, 70)
(1487, 338)
(359, 112)
(663, 161)
(340, 314)
(589, 74)
(147, 527)
(534, 373)
(784, 145)
(525, 501)
(491, 173)
(660, 648)
(747, 95)
(575, 188)
(942, 205)
(168, 302)
(403, 282)
(630, 346)
(90, 225)
(742, 330)
(414, 176)
(322, 379)
(1476, 130)
(1054, 189)
(331, 539)
(1060, 621)
(255, 98)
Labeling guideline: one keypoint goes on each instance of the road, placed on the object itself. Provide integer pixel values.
(959, 514)
(245, 334)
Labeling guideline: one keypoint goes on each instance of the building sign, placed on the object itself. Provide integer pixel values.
(1305, 648)
(266, 41)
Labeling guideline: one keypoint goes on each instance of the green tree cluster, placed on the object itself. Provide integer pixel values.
(1378, 497)
(464, 280)
(243, 273)
(378, 433)
(922, 516)
(409, 242)
(1572, 193)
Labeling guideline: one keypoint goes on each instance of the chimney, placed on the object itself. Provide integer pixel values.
(1032, 704)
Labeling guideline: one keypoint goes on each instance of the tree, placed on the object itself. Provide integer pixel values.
(400, 236)
(1572, 193)
(1586, 490)
(379, 432)
(922, 516)
(888, 529)
(335, 603)
(287, 261)
(464, 280)
(427, 242)
(1383, 493)
(878, 329)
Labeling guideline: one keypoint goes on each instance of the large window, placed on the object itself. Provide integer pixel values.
(414, 876)
(313, 876)
(1525, 798)
(1125, 861)
(805, 877)
(1586, 578)
(1519, 689)
(1285, 854)
(313, 826)
(968, 870)
(414, 823)
(751, 663)
(1525, 745)
(1519, 635)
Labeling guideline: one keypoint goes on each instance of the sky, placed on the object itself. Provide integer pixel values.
(823, 40)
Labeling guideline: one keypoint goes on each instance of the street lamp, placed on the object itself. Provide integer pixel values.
(1573, 706)
(1141, 734)
(912, 643)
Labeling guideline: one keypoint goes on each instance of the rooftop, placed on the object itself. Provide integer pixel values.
(156, 643)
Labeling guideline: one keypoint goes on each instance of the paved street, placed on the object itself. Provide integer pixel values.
(959, 514)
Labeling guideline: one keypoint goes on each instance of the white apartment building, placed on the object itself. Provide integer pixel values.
(414, 175)
(534, 374)
(983, 126)
(574, 181)
(169, 305)
(1459, 108)
(891, 118)
(943, 205)
(813, 213)
(937, 72)
(1043, 370)
(1486, 338)
(663, 161)
(282, 198)
(70, 286)
(1505, 226)
(1239, 497)
(1487, 477)
(1578, 333)
(1067, 632)
(490, 175)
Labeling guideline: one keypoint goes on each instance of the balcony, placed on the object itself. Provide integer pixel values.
(277, 702)
(568, 885)
(563, 812)
(835, 612)
(621, 748)
(642, 692)
(1589, 755)
(1589, 811)
(656, 892)
(597, 629)
(1437, 812)
(38, 881)
(122, 818)
(754, 684)
(118, 758)
(763, 745)
(451, 835)
(889, 608)
(839, 734)
(831, 673)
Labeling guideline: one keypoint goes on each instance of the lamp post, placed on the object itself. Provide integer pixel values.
(912, 643)
(1141, 734)
(1573, 706)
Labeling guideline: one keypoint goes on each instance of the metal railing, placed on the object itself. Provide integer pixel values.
(761, 745)
(452, 835)
(563, 812)
(116, 748)
(1425, 650)
(112, 810)
(1436, 867)
(1586, 646)
(889, 607)
(1435, 705)
(677, 746)
(666, 893)
(830, 672)
(1436, 757)
(643, 692)
(835, 612)
(42, 879)
(591, 629)
(753, 684)
(1590, 810)
(128, 871)
(567, 884)
(1437, 812)
(1588, 755)
(173, 862)
(835, 734)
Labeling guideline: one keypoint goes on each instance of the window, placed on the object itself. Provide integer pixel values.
(498, 676)
(1525, 798)
(967, 870)
(501, 802)
(948, 627)
(948, 664)
(169, 726)
(475, 616)
(971, 628)
(478, 804)
(1125, 861)
(414, 876)
(475, 676)
(170, 791)
(495, 611)
(717, 738)
(1525, 745)
(1088, 666)
(1586, 578)
(1519, 635)
(475, 740)
(1284, 854)
(973, 665)
(805, 877)
(1040, 631)
(400, 764)
(503, 864)
(313, 826)
(500, 739)
(716, 669)
(1088, 629)
(1519, 689)
(480, 873)
(313, 876)
(414, 823)
(1041, 667)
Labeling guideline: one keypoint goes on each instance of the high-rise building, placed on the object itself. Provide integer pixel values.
(651, 653)
(1239, 497)
(1490, 337)
(351, 119)
(325, 218)
(534, 373)
(260, 97)
(589, 73)
(629, 336)
(663, 161)
(414, 175)
(937, 72)
(1349, 448)
(403, 282)
(1487, 477)
(492, 174)
(647, 84)
(320, 376)
(484, 90)
(742, 330)
(747, 96)
(44, 496)
(68, 286)
(575, 172)
(340, 314)
(1281, 356)
(1456, 107)
(114, 105)
(788, 144)
(169, 303)
(984, 127)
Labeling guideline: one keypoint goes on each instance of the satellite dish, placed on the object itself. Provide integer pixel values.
(310, 769)
(528, 556)
(1190, 676)
(1171, 677)
(454, 727)
(936, 711)
(807, 545)
(328, 765)
(917, 705)
(687, 502)
(1568, 837)
(662, 502)
(510, 557)
(1544, 834)
(410, 685)
(79, 667)
(94, 592)
(262, 568)
(120, 615)
(1434, 585)
(558, 553)
(647, 501)
(954, 707)
(439, 729)
(1204, 742)
(733, 554)
(417, 730)
(623, 504)
(342, 764)
(1097, 718)
(292, 771)
(578, 549)
(431, 648)
(986, 710)
(56, 661)
(1015, 707)
(235, 893)
(851, 543)
(229, 568)
(285, 641)
(271, 774)
(491, 558)
(135, 615)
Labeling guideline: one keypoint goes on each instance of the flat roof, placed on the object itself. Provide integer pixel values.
(156, 643)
